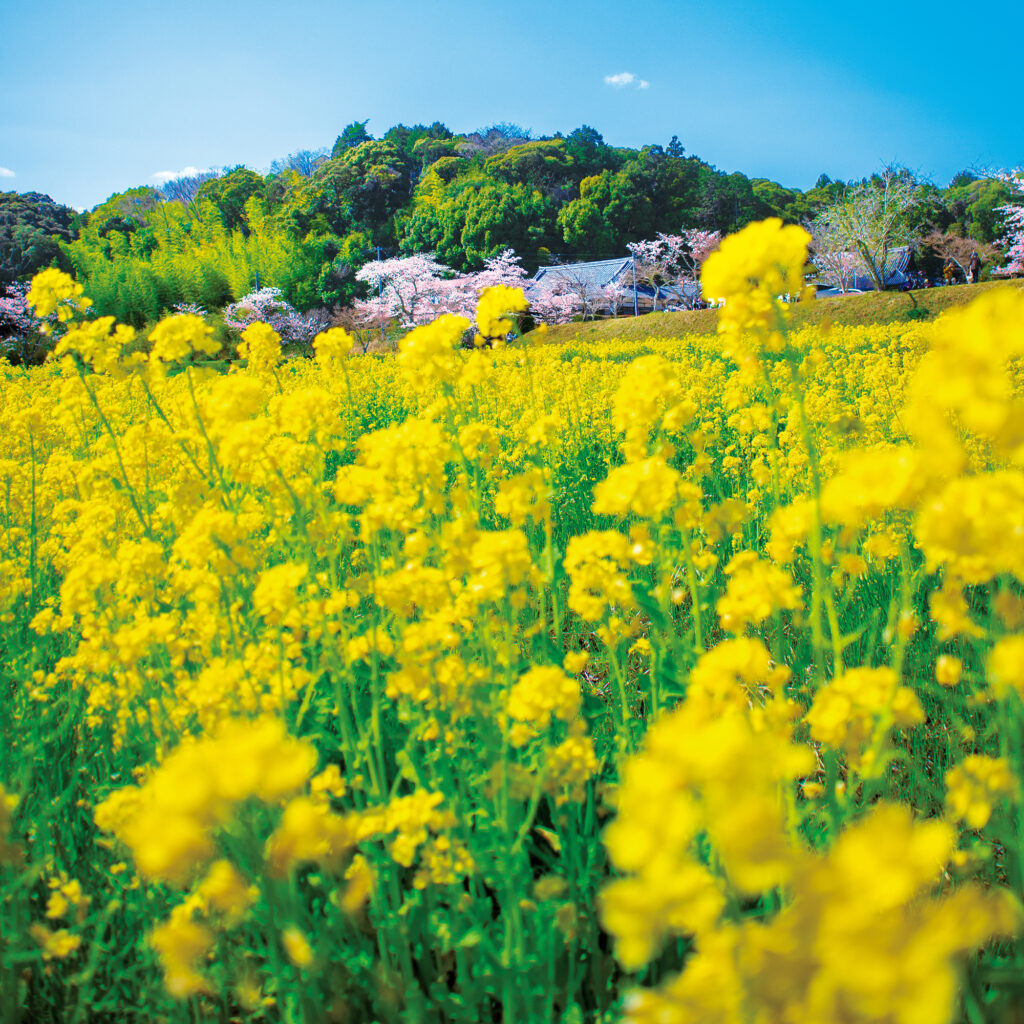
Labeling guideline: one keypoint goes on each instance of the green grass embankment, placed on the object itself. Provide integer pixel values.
(869, 308)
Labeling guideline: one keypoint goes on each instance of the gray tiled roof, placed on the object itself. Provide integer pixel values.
(593, 276)
(895, 270)
(683, 293)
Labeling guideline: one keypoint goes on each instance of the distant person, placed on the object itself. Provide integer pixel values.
(948, 272)
(974, 268)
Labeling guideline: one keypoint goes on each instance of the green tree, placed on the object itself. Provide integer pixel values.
(336, 283)
(448, 168)
(428, 151)
(544, 164)
(128, 211)
(678, 190)
(825, 193)
(625, 198)
(32, 227)
(352, 135)
(231, 192)
(476, 219)
(362, 189)
(973, 205)
(586, 147)
(874, 217)
(613, 208)
(790, 204)
(584, 228)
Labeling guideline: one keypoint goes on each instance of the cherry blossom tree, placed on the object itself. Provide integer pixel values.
(616, 294)
(875, 217)
(503, 269)
(555, 303)
(837, 265)
(15, 316)
(267, 306)
(1014, 238)
(23, 339)
(652, 259)
(574, 279)
(373, 314)
(366, 334)
(699, 245)
(192, 308)
(673, 260)
(411, 290)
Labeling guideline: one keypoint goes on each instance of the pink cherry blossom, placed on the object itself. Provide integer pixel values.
(1014, 221)
(673, 261)
(267, 306)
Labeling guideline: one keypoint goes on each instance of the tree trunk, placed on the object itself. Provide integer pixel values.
(873, 271)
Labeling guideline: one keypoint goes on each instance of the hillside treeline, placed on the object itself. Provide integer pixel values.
(308, 225)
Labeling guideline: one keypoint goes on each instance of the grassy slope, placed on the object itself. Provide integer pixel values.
(870, 308)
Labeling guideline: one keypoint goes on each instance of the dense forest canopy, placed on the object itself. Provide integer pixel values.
(318, 216)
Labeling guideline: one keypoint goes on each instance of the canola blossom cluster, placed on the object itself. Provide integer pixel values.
(666, 682)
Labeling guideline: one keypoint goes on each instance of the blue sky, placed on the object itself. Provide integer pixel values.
(98, 97)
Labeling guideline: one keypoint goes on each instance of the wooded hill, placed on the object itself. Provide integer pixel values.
(309, 224)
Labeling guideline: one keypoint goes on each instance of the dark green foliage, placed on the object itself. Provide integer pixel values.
(361, 189)
(31, 227)
(613, 208)
(336, 283)
(354, 134)
(776, 201)
(479, 218)
(586, 147)
(408, 140)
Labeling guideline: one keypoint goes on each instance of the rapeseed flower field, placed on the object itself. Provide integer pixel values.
(661, 681)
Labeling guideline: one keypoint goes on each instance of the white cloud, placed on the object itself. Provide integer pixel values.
(6, 172)
(186, 172)
(625, 78)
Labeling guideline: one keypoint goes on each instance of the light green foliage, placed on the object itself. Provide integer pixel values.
(160, 255)
(230, 193)
(545, 164)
